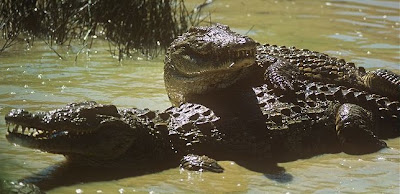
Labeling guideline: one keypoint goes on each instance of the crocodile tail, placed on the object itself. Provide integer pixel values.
(383, 82)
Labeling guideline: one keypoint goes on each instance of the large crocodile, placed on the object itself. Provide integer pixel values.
(210, 58)
(198, 62)
(239, 117)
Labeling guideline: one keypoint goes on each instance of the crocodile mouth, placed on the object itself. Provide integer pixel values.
(20, 131)
(68, 125)
(79, 129)
(238, 59)
(198, 64)
(73, 142)
(193, 73)
(40, 138)
(39, 131)
(42, 126)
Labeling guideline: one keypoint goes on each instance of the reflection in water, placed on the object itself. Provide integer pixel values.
(365, 32)
(282, 177)
(66, 174)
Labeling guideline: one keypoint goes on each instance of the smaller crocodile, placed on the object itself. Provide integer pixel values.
(93, 134)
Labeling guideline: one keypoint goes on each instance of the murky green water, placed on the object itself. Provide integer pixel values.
(362, 31)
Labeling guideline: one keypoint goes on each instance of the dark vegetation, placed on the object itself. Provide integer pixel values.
(130, 26)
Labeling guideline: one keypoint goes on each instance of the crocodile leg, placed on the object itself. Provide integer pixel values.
(283, 76)
(383, 82)
(354, 127)
(313, 66)
(200, 163)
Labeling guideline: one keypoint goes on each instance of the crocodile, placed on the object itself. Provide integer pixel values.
(249, 116)
(93, 134)
(293, 74)
(201, 62)
(219, 68)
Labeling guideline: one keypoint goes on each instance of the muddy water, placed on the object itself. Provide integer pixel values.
(363, 31)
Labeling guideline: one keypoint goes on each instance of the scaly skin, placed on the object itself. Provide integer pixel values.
(303, 64)
(319, 120)
(101, 135)
(383, 81)
(288, 72)
(16, 187)
(240, 117)
(314, 65)
(206, 59)
(329, 113)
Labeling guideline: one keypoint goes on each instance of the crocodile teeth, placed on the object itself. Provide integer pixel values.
(23, 129)
(15, 130)
(34, 134)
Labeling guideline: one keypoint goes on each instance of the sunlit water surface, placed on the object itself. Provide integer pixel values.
(363, 31)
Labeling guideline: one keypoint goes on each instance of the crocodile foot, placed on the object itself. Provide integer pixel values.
(200, 163)
(353, 127)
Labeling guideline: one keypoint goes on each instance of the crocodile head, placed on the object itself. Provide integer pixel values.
(206, 58)
(77, 131)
